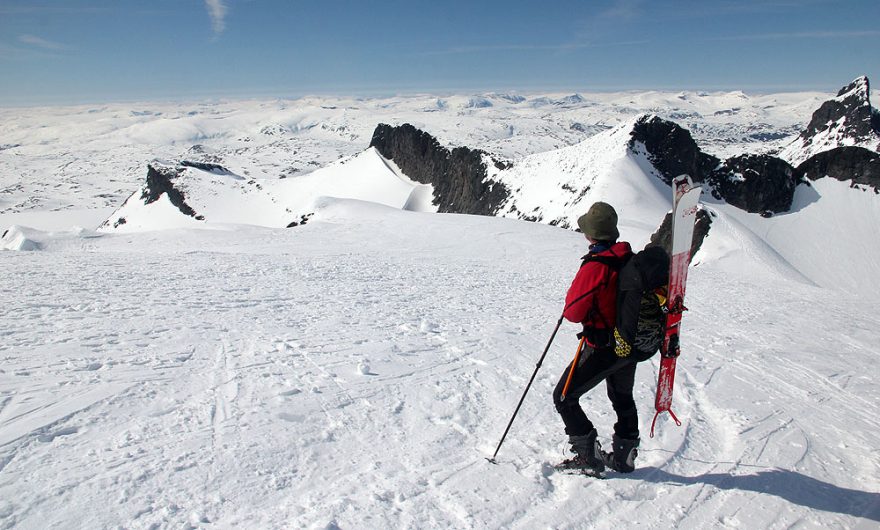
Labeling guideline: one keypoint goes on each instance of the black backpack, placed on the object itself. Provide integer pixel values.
(641, 319)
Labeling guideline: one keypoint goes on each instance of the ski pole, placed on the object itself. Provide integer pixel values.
(526, 391)
(571, 369)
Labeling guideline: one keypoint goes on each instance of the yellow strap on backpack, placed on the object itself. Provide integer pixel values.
(621, 347)
(660, 293)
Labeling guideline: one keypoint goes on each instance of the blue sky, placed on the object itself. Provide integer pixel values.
(73, 51)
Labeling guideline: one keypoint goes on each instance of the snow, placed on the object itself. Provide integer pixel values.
(829, 238)
(16, 238)
(836, 133)
(223, 198)
(89, 157)
(357, 370)
(562, 184)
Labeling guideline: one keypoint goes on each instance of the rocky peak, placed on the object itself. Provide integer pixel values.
(160, 180)
(856, 165)
(671, 149)
(846, 120)
(756, 183)
(459, 176)
(760, 184)
(860, 88)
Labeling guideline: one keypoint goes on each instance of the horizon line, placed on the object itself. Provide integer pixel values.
(386, 93)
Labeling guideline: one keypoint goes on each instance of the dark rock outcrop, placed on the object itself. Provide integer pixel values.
(755, 183)
(855, 164)
(205, 166)
(303, 219)
(850, 112)
(663, 235)
(459, 176)
(847, 119)
(161, 180)
(672, 149)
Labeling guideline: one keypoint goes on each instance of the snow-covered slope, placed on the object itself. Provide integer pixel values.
(554, 187)
(181, 195)
(831, 237)
(356, 371)
(558, 186)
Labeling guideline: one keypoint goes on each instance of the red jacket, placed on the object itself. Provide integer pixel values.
(592, 297)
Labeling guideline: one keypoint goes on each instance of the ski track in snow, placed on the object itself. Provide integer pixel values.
(215, 380)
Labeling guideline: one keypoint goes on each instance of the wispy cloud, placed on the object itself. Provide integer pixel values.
(803, 35)
(623, 9)
(603, 24)
(39, 42)
(50, 10)
(531, 47)
(217, 10)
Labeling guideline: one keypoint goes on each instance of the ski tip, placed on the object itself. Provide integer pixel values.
(684, 179)
(491, 460)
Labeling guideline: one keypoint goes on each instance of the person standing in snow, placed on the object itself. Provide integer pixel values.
(591, 301)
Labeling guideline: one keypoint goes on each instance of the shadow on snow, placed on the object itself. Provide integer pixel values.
(792, 486)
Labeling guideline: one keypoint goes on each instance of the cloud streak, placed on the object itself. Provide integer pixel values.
(623, 9)
(802, 35)
(40, 42)
(531, 47)
(217, 11)
(47, 10)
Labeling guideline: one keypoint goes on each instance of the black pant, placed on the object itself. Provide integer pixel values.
(593, 367)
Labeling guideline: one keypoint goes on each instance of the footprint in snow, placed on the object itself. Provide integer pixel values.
(50, 437)
(429, 327)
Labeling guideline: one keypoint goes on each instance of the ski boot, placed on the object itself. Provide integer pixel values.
(587, 458)
(623, 455)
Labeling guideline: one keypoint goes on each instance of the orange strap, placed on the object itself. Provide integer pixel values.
(571, 369)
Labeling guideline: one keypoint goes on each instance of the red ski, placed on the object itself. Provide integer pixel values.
(685, 203)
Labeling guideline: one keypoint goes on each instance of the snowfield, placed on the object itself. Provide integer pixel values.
(222, 197)
(355, 372)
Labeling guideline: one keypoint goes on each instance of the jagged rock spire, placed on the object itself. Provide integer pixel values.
(846, 120)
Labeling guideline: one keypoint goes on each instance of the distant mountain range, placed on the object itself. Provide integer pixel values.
(88, 157)
(629, 165)
(842, 141)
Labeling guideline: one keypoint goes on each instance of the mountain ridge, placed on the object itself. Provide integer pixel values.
(848, 119)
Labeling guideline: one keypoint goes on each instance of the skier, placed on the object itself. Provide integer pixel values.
(591, 301)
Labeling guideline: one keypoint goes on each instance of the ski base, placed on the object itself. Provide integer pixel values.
(665, 384)
(686, 199)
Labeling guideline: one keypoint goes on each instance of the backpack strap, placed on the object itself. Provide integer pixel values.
(613, 263)
(610, 262)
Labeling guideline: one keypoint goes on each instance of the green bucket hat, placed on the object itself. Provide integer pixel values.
(600, 222)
